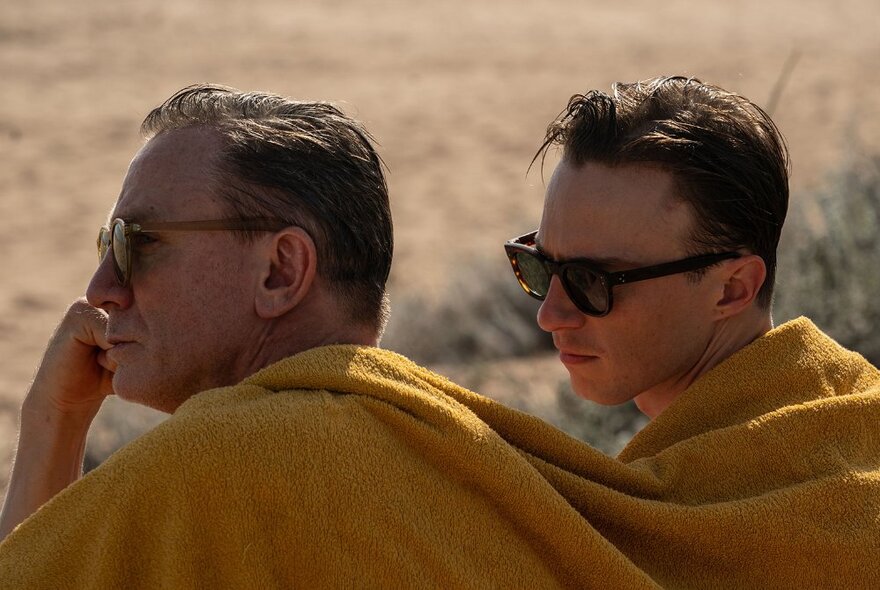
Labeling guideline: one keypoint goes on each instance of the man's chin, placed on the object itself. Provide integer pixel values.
(137, 391)
(604, 396)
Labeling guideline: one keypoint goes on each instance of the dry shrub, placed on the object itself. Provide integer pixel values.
(607, 428)
(482, 314)
(831, 274)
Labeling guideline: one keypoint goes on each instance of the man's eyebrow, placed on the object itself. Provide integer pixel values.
(600, 261)
(538, 246)
(137, 215)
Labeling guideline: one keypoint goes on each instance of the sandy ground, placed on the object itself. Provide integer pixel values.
(457, 93)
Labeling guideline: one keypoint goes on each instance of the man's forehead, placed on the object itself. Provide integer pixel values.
(613, 215)
(172, 175)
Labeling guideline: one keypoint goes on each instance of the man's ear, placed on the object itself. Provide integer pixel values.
(743, 278)
(290, 274)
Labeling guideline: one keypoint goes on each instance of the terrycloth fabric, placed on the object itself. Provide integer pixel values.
(352, 467)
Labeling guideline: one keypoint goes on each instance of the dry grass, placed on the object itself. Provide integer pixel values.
(830, 273)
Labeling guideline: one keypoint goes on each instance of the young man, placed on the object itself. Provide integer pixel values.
(668, 180)
(655, 261)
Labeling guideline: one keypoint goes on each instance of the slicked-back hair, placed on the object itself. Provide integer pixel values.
(728, 159)
(307, 164)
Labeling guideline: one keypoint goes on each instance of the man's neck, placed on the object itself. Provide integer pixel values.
(730, 336)
(278, 341)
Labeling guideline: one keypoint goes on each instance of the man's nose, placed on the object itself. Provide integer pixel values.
(104, 291)
(557, 311)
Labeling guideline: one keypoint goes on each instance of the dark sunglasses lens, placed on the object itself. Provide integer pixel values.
(586, 289)
(120, 251)
(533, 274)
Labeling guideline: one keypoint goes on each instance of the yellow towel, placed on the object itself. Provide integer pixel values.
(352, 467)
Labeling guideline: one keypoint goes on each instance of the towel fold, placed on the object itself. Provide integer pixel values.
(350, 466)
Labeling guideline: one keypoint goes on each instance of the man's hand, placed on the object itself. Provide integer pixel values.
(74, 377)
(75, 374)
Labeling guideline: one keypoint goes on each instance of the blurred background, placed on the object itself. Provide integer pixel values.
(457, 94)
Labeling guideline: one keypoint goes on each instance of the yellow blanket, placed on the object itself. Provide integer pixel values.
(352, 467)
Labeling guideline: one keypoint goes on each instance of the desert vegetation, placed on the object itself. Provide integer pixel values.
(830, 268)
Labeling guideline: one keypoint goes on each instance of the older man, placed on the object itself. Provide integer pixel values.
(241, 287)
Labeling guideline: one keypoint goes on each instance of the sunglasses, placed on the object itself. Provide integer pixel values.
(118, 236)
(589, 287)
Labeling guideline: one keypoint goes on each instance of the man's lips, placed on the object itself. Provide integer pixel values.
(118, 345)
(573, 358)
